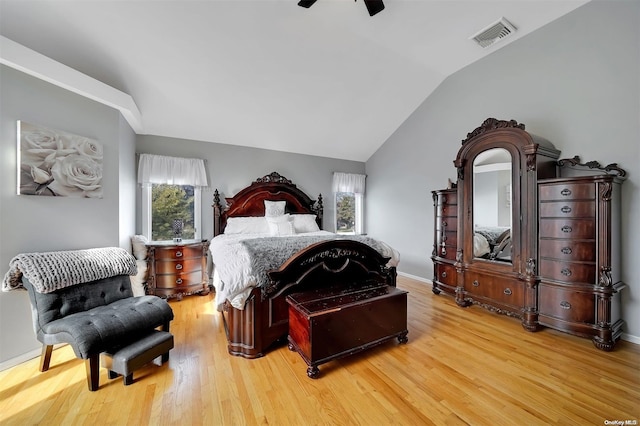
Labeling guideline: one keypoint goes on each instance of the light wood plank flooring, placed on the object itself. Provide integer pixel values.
(461, 366)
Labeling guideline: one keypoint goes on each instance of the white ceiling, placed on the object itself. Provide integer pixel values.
(329, 80)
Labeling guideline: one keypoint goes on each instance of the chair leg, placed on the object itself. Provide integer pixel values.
(45, 357)
(93, 372)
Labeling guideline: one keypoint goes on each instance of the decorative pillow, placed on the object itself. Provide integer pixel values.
(480, 246)
(139, 244)
(305, 223)
(281, 225)
(246, 225)
(280, 229)
(274, 208)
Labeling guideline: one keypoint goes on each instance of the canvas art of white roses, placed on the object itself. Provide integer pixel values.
(57, 163)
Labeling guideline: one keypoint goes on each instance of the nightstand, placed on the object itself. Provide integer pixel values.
(177, 269)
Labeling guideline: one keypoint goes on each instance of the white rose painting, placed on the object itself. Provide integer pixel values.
(56, 163)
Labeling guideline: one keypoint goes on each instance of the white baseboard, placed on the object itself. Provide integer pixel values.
(20, 359)
(415, 277)
(630, 338)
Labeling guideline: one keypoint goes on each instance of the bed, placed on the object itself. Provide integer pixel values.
(251, 295)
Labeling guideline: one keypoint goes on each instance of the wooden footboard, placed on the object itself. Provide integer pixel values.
(264, 321)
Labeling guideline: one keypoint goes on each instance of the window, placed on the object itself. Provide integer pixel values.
(349, 201)
(162, 203)
(171, 189)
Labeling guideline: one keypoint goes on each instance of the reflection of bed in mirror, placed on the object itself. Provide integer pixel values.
(252, 297)
(492, 243)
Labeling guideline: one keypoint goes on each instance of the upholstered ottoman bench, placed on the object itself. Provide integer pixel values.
(130, 358)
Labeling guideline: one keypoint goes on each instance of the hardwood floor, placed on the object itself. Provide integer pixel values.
(461, 366)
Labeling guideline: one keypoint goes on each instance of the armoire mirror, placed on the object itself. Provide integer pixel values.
(492, 212)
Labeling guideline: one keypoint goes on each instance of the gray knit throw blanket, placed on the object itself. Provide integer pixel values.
(54, 270)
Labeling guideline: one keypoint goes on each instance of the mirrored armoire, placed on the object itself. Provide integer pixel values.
(528, 235)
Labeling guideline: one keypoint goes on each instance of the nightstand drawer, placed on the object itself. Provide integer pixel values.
(179, 280)
(178, 266)
(178, 252)
(510, 292)
(446, 274)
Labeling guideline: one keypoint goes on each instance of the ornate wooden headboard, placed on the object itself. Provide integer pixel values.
(250, 201)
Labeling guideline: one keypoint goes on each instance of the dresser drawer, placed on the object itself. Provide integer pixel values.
(444, 224)
(567, 228)
(570, 209)
(565, 304)
(567, 191)
(177, 266)
(448, 210)
(510, 292)
(179, 280)
(570, 272)
(180, 252)
(568, 250)
(446, 274)
(447, 199)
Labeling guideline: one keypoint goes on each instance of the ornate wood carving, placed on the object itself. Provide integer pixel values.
(492, 124)
(274, 177)
(609, 168)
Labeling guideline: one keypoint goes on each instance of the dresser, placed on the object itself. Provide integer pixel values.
(445, 233)
(177, 269)
(579, 262)
(532, 236)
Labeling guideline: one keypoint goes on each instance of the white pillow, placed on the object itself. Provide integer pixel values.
(305, 223)
(281, 225)
(246, 225)
(139, 244)
(274, 208)
(480, 246)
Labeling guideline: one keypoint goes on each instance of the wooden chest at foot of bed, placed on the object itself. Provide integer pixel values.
(332, 323)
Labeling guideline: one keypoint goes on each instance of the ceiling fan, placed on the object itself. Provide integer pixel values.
(373, 6)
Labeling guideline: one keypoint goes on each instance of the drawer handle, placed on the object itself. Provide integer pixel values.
(475, 283)
(444, 275)
(566, 272)
(444, 223)
(566, 192)
(565, 305)
(178, 254)
(507, 291)
(444, 238)
(566, 250)
(179, 266)
(443, 251)
(179, 281)
(566, 228)
(566, 209)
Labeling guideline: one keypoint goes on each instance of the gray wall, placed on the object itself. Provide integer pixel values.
(37, 224)
(572, 82)
(231, 168)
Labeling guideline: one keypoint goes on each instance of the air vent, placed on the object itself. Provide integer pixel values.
(493, 33)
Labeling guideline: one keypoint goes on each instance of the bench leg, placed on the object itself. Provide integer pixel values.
(112, 374)
(45, 357)
(165, 358)
(128, 379)
(165, 326)
(93, 372)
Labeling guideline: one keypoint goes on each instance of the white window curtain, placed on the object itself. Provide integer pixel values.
(354, 183)
(160, 169)
(348, 182)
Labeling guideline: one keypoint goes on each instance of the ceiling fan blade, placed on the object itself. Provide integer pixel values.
(374, 6)
(306, 3)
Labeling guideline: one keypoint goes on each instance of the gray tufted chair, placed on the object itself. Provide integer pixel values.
(93, 318)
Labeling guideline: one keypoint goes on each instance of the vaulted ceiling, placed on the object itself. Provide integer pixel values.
(329, 80)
